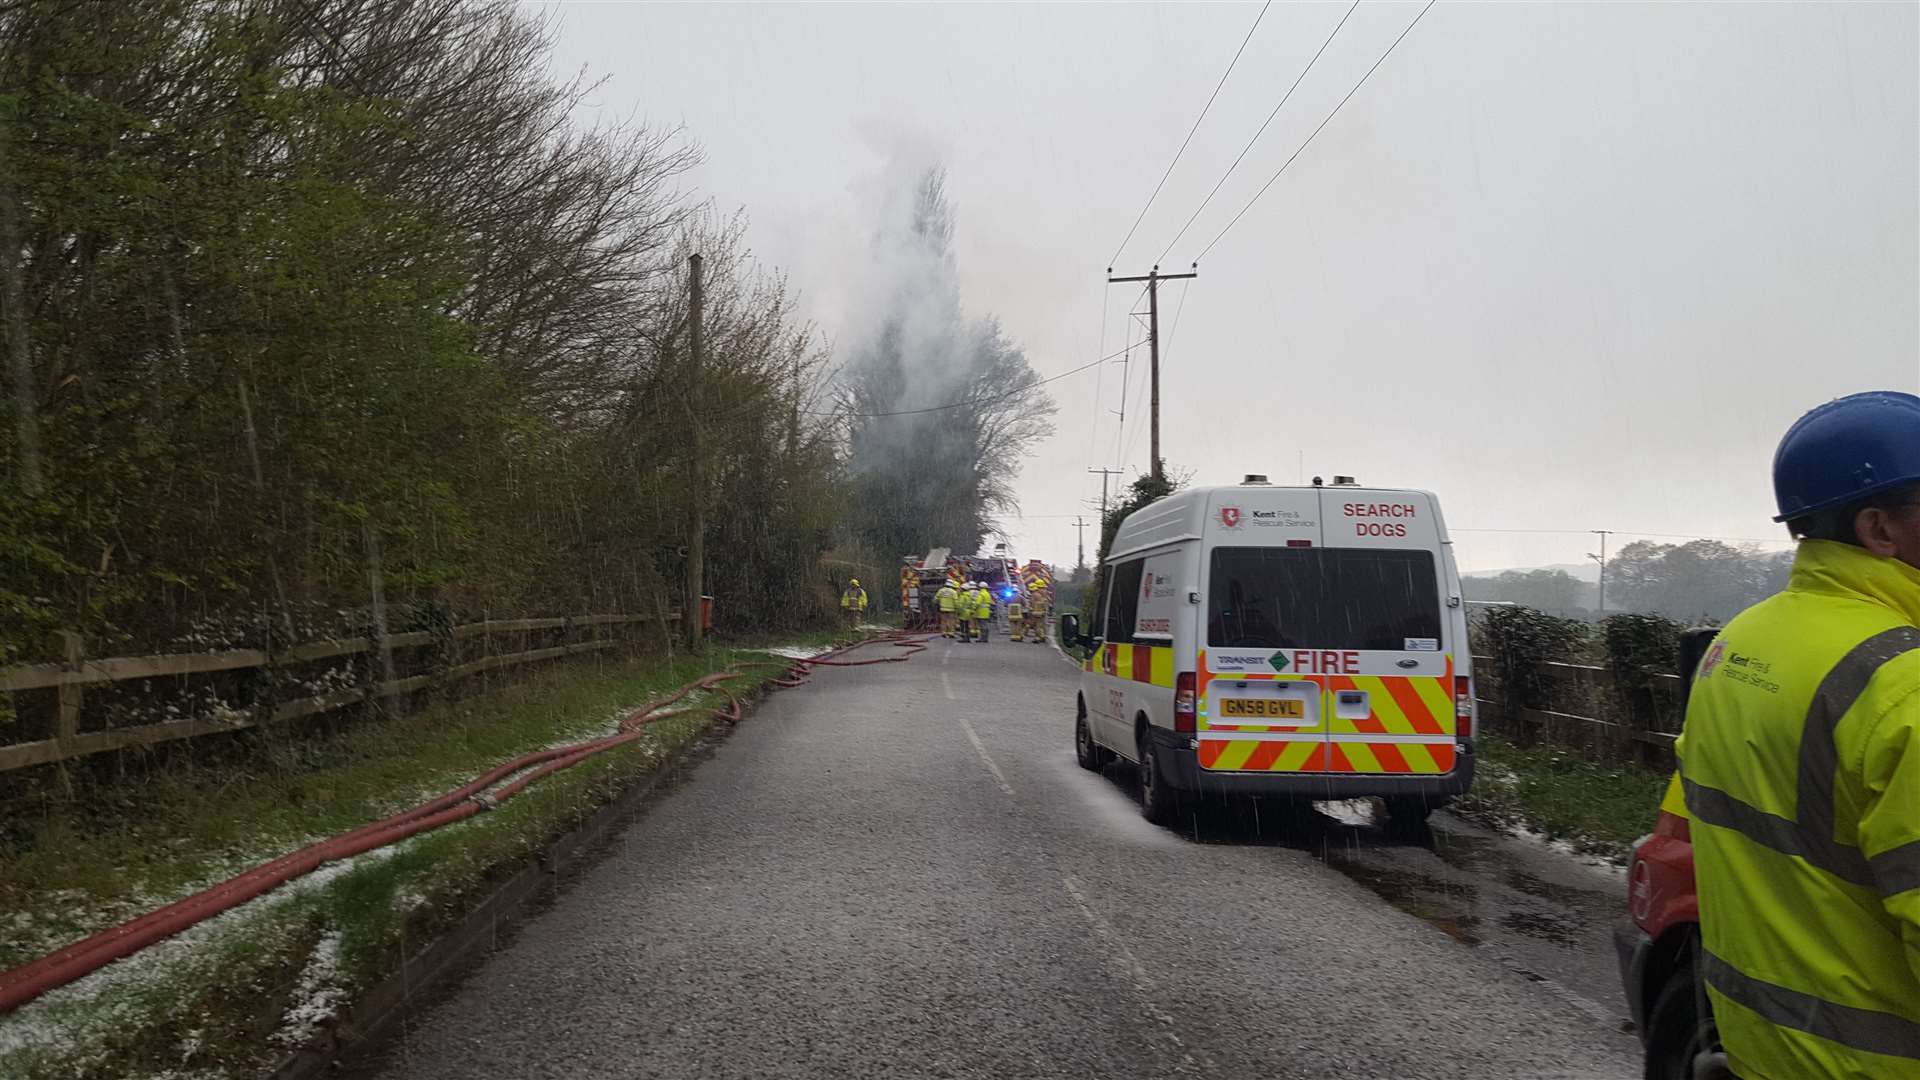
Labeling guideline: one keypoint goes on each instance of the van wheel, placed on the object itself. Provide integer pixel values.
(1407, 816)
(1091, 755)
(1675, 1035)
(1159, 802)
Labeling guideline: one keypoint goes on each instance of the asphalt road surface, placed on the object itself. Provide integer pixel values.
(899, 870)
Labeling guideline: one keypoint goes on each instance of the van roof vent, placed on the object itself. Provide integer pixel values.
(1345, 481)
(1255, 478)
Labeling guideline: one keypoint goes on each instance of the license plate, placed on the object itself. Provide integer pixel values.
(1262, 709)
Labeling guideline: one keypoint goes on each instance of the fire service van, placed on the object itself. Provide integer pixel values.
(1298, 642)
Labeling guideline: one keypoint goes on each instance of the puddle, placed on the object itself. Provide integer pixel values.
(1448, 906)
(1534, 924)
(1521, 881)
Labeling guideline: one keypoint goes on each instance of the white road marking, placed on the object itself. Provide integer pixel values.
(947, 685)
(998, 776)
(1116, 946)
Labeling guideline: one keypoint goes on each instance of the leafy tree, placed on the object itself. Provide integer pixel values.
(1553, 591)
(301, 281)
(1696, 581)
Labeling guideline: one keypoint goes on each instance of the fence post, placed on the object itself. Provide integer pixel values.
(73, 650)
(377, 590)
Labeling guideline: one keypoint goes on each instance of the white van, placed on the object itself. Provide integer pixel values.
(1304, 642)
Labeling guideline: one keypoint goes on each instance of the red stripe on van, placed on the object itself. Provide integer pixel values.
(1143, 663)
(1413, 705)
(1264, 756)
(1390, 758)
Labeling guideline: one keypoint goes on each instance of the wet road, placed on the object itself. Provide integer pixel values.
(899, 870)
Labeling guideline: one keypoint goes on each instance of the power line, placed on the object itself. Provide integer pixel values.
(1316, 131)
(1190, 131)
(1256, 135)
(970, 401)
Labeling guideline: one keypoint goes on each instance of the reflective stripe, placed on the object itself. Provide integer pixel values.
(1860, 1029)
(1820, 756)
(1897, 870)
(1810, 835)
(1715, 807)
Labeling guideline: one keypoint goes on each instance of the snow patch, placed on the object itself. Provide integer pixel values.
(798, 652)
(1348, 811)
(76, 1020)
(317, 996)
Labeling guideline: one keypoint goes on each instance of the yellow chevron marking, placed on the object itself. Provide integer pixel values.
(1439, 698)
(1294, 756)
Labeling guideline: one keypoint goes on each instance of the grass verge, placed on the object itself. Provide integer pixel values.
(235, 993)
(1597, 809)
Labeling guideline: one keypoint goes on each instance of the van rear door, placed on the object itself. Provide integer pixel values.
(1390, 694)
(1352, 627)
(1255, 712)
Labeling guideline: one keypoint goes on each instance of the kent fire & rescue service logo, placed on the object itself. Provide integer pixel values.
(1230, 516)
(1146, 588)
(1712, 659)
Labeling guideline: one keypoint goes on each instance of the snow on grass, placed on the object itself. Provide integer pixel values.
(74, 1024)
(317, 997)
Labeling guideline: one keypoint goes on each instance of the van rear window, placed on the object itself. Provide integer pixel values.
(1321, 598)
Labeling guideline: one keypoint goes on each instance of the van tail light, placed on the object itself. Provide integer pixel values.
(1463, 706)
(1185, 698)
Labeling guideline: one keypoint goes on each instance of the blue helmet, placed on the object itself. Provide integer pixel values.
(1847, 450)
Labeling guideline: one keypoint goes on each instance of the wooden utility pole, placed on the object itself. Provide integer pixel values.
(1080, 534)
(1602, 560)
(696, 502)
(1153, 278)
(1104, 474)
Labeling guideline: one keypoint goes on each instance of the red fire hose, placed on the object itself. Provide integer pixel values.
(29, 981)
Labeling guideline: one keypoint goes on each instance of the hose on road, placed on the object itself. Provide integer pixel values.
(82, 958)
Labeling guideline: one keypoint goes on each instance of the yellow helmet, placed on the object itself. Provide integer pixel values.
(854, 581)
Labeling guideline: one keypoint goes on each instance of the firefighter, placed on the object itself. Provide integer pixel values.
(982, 608)
(963, 610)
(1016, 618)
(1800, 766)
(948, 600)
(1038, 603)
(853, 603)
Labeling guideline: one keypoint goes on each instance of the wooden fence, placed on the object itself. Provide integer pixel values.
(1583, 708)
(69, 680)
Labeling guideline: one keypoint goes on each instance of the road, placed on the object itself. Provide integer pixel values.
(899, 870)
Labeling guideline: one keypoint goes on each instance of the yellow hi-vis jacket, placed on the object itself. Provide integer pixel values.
(983, 603)
(854, 599)
(1800, 763)
(947, 598)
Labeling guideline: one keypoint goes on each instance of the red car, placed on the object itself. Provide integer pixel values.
(1659, 948)
(1660, 945)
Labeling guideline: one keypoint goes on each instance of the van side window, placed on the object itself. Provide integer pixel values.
(1123, 602)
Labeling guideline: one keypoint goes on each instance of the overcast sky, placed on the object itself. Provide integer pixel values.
(1570, 266)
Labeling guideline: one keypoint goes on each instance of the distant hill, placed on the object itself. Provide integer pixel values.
(1588, 572)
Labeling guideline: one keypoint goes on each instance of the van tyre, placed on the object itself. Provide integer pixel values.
(1675, 1036)
(1159, 802)
(1091, 755)
(1407, 816)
